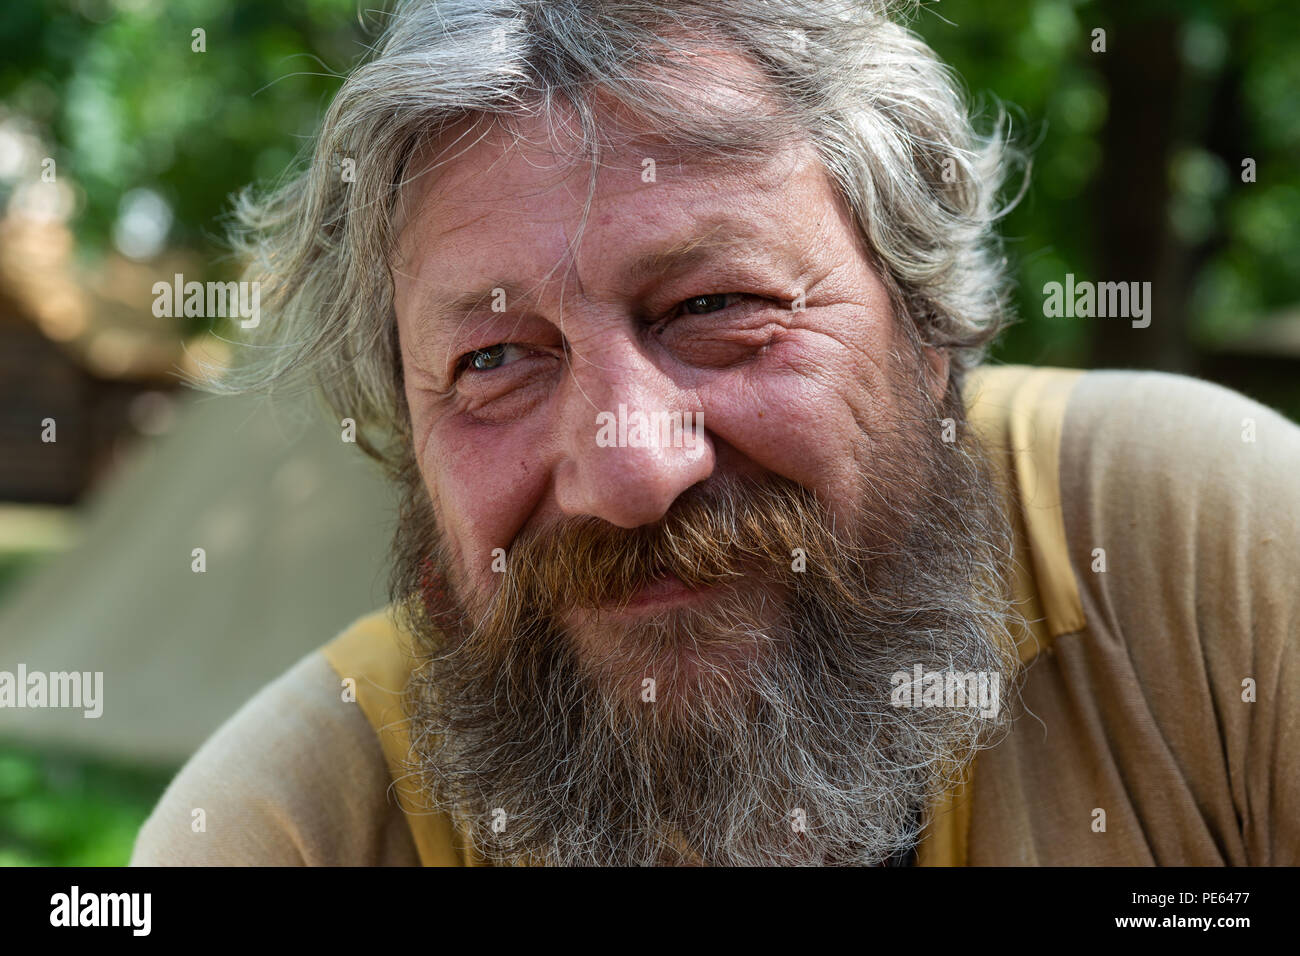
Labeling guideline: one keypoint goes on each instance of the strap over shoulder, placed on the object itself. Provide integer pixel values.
(1018, 411)
(376, 655)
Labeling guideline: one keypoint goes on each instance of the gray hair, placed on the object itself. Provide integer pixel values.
(886, 117)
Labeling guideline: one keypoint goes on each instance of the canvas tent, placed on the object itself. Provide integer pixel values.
(295, 525)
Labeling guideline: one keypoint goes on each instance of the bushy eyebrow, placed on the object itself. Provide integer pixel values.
(688, 252)
(467, 302)
(720, 237)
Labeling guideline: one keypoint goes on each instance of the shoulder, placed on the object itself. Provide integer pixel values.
(1194, 464)
(1134, 417)
(296, 776)
(1178, 502)
(1183, 513)
(1144, 444)
(1176, 694)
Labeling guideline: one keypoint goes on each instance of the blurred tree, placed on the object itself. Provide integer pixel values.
(134, 114)
(1138, 165)
(1137, 150)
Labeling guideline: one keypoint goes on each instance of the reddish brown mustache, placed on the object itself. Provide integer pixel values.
(716, 533)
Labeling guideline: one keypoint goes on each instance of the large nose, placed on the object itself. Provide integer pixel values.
(634, 440)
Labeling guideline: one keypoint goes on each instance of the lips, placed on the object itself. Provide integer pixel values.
(666, 589)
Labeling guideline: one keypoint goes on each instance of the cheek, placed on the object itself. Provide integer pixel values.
(808, 411)
(788, 426)
(487, 483)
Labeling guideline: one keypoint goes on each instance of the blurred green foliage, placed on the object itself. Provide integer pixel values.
(115, 89)
(14, 566)
(1037, 57)
(70, 810)
(124, 102)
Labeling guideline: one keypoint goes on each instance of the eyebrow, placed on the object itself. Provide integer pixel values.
(688, 252)
(676, 258)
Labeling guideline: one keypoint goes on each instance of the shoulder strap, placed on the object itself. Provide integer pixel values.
(376, 655)
(1018, 412)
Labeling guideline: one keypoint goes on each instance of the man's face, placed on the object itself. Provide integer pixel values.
(638, 646)
(775, 329)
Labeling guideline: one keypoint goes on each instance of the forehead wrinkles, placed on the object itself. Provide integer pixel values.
(559, 252)
(705, 80)
(758, 181)
(437, 176)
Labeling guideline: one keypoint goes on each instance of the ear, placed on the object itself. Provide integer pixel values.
(937, 366)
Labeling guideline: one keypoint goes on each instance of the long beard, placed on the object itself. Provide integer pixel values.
(779, 743)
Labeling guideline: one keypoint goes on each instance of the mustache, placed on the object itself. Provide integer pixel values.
(716, 533)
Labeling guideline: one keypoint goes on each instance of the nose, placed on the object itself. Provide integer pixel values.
(634, 441)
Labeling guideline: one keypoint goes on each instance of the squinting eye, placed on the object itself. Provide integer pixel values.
(492, 357)
(703, 304)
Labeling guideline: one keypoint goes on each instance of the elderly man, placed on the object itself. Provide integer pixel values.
(720, 544)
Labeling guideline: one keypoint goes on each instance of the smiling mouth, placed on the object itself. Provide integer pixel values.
(665, 592)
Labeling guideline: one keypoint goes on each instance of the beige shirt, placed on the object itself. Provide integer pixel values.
(1135, 717)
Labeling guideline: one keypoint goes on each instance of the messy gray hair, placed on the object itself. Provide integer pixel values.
(886, 117)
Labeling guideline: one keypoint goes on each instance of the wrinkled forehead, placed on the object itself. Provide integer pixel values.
(713, 113)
